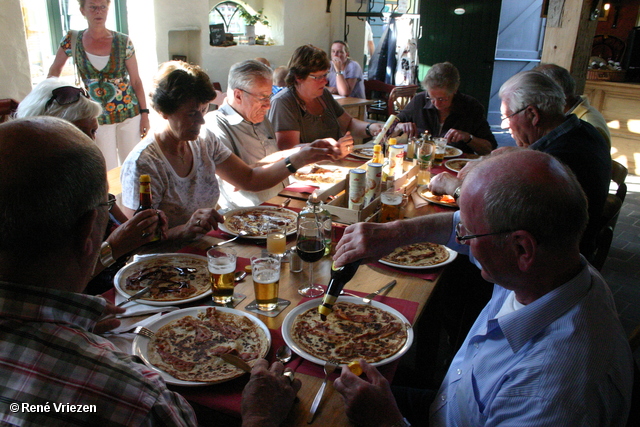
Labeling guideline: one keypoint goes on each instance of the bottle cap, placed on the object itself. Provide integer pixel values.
(377, 148)
(145, 178)
(393, 141)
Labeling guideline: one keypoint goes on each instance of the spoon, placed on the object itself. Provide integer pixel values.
(283, 354)
(240, 275)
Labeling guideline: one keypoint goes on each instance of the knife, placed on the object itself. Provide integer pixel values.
(367, 299)
(137, 295)
(236, 361)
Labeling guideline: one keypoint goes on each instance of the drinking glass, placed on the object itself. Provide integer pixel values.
(222, 267)
(310, 247)
(276, 240)
(441, 147)
(266, 279)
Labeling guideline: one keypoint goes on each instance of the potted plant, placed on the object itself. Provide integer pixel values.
(250, 21)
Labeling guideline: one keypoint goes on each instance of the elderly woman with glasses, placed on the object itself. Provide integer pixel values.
(444, 112)
(306, 111)
(184, 157)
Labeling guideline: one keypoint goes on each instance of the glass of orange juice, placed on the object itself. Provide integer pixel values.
(276, 240)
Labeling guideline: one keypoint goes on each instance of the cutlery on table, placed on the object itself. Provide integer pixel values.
(145, 332)
(367, 299)
(285, 203)
(236, 361)
(283, 354)
(240, 234)
(135, 296)
(329, 368)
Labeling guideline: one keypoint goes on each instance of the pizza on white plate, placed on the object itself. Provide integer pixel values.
(189, 348)
(320, 175)
(418, 255)
(254, 220)
(443, 199)
(351, 331)
(171, 278)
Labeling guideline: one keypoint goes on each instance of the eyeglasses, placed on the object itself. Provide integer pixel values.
(321, 77)
(439, 99)
(95, 9)
(462, 237)
(66, 95)
(109, 203)
(503, 118)
(262, 99)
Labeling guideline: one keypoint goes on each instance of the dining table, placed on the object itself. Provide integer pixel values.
(409, 296)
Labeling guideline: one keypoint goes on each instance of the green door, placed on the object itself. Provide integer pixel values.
(467, 40)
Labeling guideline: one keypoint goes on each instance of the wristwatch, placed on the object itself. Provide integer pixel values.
(368, 130)
(144, 110)
(469, 140)
(340, 72)
(456, 193)
(289, 165)
(106, 254)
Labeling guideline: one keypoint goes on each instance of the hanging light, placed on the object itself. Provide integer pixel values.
(459, 11)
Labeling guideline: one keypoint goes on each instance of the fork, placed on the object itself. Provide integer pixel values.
(141, 330)
(329, 367)
(241, 233)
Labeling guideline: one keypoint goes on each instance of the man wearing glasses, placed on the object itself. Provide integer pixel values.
(53, 193)
(548, 348)
(533, 111)
(241, 124)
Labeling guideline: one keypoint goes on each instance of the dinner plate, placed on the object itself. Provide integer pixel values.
(365, 153)
(287, 323)
(120, 279)
(140, 343)
(452, 257)
(266, 209)
(453, 165)
(432, 199)
(452, 152)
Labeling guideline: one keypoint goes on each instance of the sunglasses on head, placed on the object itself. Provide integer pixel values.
(66, 95)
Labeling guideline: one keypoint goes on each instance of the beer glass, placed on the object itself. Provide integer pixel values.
(391, 202)
(266, 279)
(276, 240)
(222, 267)
(425, 154)
(441, 147)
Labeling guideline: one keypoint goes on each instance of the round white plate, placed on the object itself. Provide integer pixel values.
(448, 164)
(424, 188)
(364, 156)
(287, 323)
(224, 228)
(120, 279)
(140, 343)
(454, 152)
(452, 256)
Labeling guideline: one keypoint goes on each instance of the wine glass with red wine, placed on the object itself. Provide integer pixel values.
(310, 248)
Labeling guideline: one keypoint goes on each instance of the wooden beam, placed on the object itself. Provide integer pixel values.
(569, 43)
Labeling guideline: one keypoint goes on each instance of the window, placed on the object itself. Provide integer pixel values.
(228, 14)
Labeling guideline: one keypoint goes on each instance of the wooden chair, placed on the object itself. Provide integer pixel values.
(389, 99)
(610, 214)
(7, 107)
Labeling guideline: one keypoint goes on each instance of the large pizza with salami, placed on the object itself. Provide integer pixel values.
(418, 255)
(172, 277)
(189, 348)
(321, 175)
(253, 221)
(350, 332)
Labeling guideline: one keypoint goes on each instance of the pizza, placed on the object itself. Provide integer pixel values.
(253, 221)
(363, 152)
(418, 255)
(171, 277)
(189, 348)
(456, 165)
(444, 199)
(320, 175)
(450, 151)
(351, 331)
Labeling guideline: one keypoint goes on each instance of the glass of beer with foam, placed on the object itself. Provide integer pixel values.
(222, 267)
(266, 279)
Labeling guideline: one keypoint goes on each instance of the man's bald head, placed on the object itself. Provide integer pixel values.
(50, 175)
(530, 190)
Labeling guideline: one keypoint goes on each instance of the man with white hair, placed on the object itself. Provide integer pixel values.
(548, 349)
(241, 124)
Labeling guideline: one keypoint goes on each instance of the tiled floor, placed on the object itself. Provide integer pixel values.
(622, 268)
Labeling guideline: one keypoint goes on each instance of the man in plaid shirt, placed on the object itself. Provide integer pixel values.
(53, 370)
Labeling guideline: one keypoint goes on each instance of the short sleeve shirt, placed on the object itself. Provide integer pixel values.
(351, 71)
(179, 197)
(287, 113)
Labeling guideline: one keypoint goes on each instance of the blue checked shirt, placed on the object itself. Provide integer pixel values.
(562, 360)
